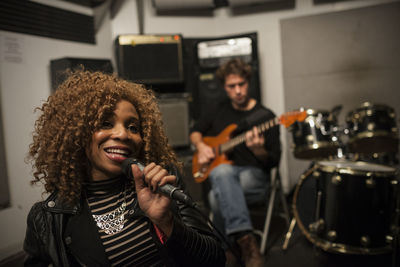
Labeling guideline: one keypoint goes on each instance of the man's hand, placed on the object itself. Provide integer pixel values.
(253, 139)
(205, 153)
(255, 142)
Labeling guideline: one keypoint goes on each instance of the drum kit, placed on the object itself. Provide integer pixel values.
(351, 189)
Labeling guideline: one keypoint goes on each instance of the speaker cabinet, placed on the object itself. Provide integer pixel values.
(59, 66)
(150, 59)
(175, 115)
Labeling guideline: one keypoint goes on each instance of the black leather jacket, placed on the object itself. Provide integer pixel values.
(64, 235)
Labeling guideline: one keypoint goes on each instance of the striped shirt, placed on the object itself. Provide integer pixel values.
(133, 245)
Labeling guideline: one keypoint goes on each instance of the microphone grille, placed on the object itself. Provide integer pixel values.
(126, 166)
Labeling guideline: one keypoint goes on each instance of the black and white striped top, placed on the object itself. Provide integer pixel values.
(133, 245)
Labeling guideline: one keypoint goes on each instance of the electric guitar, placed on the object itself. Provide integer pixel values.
(223, 143)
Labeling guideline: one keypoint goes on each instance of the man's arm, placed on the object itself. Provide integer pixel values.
(265, 147)
(196, 138)
(205, 152)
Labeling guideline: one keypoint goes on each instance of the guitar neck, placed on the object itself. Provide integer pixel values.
(241, 138)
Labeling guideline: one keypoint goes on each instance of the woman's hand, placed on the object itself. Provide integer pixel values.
(154, 204)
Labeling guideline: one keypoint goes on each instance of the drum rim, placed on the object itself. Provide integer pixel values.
(347, 249)
(370, 105)
(362, 110)
(372, 134)
(316, 145)
(389, 171)
(298, 150)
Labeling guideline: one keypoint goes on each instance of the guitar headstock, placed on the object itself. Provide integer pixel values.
(291, 117)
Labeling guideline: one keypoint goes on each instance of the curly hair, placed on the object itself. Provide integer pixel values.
(73, 113)
(233, 66)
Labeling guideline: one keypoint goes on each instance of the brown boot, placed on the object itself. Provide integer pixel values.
(231, 260)
(250, 251)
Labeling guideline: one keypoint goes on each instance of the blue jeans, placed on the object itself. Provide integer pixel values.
(232, 187)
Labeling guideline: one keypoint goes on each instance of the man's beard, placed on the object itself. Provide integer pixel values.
(244, 103)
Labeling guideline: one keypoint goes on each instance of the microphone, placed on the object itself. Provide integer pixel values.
(167, 189)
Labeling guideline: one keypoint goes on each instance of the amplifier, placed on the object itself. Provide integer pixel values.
(150, 59)
(175, 116)
(213, 53)
(59, 66)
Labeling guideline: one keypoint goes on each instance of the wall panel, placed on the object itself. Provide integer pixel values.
(341, 58)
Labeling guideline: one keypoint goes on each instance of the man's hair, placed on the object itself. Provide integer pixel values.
(233, 66)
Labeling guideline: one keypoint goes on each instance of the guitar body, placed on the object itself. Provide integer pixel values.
(201, 171)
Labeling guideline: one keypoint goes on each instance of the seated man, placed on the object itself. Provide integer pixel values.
(244, 181)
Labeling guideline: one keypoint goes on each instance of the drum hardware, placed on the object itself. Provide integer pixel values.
(371, 127)
(337, 135)
(319, 124)
(336, 180)
(395, 239)
(340, 153)
(293, 222)
(370, 183)
(319, 224)
(385, 158)
(317, 214)
(331, 235)
(372, 133)
(316, 227)
(289, 234)
(335, 111)
(365, 241)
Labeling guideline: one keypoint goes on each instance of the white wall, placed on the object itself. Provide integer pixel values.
(266, 24)
(26, 84)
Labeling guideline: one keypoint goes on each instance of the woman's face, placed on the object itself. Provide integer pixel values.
(118, 138)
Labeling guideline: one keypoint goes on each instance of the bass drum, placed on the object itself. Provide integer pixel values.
(372, 129)
(313, 137)
(349, 207)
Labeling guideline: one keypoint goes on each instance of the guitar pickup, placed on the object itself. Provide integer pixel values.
(197, 174)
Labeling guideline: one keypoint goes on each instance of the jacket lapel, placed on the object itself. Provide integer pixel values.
(82, 238)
